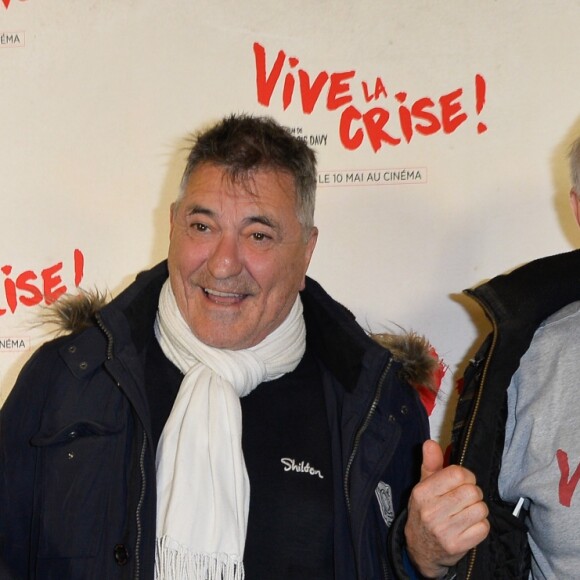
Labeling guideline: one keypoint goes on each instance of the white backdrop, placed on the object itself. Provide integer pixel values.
(441, 126)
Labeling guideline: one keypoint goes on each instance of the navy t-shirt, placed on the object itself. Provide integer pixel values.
(286, 444)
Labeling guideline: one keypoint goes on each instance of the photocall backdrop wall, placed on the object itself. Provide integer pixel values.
(441, 128)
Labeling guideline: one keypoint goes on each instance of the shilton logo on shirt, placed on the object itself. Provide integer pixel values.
(302, 467)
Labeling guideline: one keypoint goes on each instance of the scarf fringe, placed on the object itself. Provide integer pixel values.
(175, 561)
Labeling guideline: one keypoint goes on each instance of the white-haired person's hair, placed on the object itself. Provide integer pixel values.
(574, 157)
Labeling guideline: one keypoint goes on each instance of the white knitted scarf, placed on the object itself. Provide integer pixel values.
(203, 491)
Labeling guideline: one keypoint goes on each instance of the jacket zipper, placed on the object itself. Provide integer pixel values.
(139, 524)
(109, 336)
(138, 512)
(473, 551)
(358, 436)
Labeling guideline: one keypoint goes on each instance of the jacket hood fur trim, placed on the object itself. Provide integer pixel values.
(73, 313)
(421, 364)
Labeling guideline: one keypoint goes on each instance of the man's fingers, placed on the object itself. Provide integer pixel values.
(456, 543)
(476, 533)
(457, 510)
(442, 482)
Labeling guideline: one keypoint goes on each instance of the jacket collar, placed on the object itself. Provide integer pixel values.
(331, 331)
(531, 293)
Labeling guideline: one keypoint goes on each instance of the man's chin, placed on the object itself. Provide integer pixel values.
(224, 339)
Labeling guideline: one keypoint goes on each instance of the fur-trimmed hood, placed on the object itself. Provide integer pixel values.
(75, 312)
(422, 367)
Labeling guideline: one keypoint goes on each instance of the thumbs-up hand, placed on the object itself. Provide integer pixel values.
(447, 515)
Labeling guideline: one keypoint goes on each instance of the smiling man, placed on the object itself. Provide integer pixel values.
(224, 417)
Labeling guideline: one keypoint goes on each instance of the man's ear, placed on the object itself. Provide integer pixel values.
(575, 205)
(172, 209)
(311, 244)
(309, 250)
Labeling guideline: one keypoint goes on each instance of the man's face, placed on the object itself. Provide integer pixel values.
(237, 258)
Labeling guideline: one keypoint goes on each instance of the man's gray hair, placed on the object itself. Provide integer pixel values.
(241, 144)
(574, 157)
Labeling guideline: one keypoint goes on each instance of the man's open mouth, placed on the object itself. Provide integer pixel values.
(223, 297)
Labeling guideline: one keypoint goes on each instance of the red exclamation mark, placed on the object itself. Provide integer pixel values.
(79, 260)
(480, 100)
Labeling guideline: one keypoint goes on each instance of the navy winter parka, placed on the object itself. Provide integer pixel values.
(77, 466)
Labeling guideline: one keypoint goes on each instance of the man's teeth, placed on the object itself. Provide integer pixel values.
(222, 294)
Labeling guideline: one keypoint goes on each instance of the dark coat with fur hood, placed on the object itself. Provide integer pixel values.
(77, 484)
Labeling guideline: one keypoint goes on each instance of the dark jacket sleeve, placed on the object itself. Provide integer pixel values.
(397, 550)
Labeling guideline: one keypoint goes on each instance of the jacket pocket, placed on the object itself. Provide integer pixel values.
(509, 544)
(74, 480)
(504, 554)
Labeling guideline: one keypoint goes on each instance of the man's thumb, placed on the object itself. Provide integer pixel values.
(432, 459)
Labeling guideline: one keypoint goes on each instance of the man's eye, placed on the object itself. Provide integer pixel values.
(260, 236)
(196, 226)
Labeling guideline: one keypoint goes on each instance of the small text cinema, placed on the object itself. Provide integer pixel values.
(398, 118)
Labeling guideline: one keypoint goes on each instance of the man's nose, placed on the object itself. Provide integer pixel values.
(225, 259)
